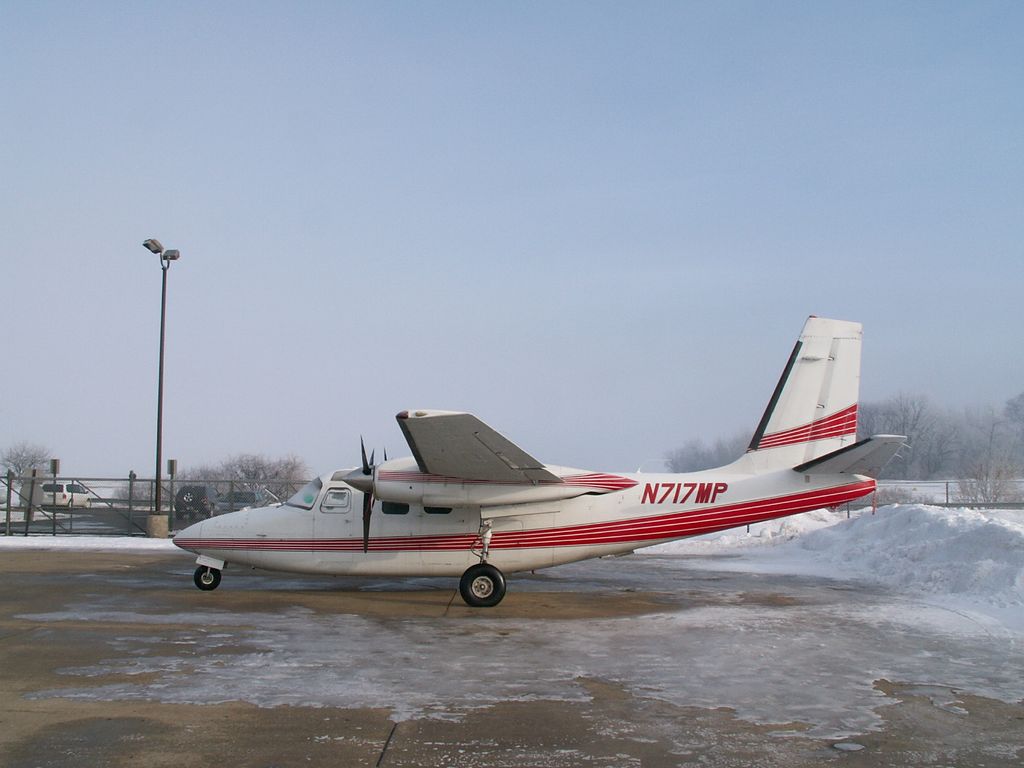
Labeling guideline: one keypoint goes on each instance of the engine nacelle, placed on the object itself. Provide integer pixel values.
(400, 480)
(467, 494)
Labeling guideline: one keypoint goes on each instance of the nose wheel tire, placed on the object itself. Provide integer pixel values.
(206, 578)
(482, 586)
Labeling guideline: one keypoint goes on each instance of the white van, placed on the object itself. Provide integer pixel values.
(60, 494)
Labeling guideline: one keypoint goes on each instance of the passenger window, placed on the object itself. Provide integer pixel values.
(438, 510)
(338, 500)
(393, 508)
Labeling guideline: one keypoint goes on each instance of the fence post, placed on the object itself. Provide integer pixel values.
(54, 469)
(10, 487)
(172, 471)
(28, 504)
(131, 495)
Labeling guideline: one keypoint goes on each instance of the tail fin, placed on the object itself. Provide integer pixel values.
(813, 410)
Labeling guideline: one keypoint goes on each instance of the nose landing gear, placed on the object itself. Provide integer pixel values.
(206, 578)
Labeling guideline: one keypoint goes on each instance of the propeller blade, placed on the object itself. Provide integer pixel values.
(362, 450)
(367, 509)
(366, 486)
(385, 454)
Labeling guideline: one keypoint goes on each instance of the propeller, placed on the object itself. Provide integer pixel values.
(362, 479)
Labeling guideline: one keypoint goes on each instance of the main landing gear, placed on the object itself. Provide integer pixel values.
(206, 578)
(482, 585)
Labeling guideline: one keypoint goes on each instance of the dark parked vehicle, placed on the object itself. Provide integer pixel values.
(196, 501)
(242, 499)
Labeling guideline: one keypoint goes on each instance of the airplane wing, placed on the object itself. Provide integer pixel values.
(866, 457)
(459, 445)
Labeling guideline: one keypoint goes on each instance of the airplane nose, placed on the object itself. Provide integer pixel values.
(193, 532)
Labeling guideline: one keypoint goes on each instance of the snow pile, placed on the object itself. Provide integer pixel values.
(759, 534)
(942, 551)
(971, 553)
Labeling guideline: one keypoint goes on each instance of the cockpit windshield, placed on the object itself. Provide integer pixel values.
(306, 495)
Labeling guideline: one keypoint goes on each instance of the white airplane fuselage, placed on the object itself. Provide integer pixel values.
(534, 530)
(471, 502)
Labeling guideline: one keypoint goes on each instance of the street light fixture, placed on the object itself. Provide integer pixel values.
(166, 257)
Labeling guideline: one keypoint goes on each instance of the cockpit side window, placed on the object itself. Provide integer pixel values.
(305, 498)
(336, 501)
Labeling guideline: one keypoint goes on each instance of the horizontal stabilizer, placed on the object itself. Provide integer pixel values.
(866, 457)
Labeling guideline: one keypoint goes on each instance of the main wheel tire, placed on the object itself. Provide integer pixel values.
(206, 578)
(482, 586)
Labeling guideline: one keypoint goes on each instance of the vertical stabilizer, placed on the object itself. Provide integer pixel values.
(813, 410)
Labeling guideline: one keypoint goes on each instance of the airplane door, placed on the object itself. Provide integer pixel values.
(336, 527)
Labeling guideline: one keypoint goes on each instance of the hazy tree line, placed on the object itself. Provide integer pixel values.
(944, 443)
(982, 445)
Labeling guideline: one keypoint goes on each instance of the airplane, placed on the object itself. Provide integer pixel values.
(470, 503)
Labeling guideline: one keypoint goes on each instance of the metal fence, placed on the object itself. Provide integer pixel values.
(120, 506)
(965, 492)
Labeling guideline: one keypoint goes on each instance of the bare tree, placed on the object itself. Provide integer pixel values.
(988, 461)
(23, 456)
(695, 455)
(871, 419)
(936, 455)
(1014, 413)
(931, 433)
(1014, 410)
(278, 476)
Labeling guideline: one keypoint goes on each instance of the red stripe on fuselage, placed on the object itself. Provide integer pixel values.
(643, 529)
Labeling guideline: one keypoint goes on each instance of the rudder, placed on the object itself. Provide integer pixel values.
(813, 410)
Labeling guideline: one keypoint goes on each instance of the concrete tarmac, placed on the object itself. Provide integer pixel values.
(100, 666)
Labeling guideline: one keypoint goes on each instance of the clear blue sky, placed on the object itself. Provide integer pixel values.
(599, 226)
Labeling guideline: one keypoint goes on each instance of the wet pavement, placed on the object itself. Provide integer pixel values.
(116, 659)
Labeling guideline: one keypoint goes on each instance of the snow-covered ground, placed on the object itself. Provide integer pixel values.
(88, 543)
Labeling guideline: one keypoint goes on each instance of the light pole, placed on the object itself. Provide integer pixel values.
(166, 257)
